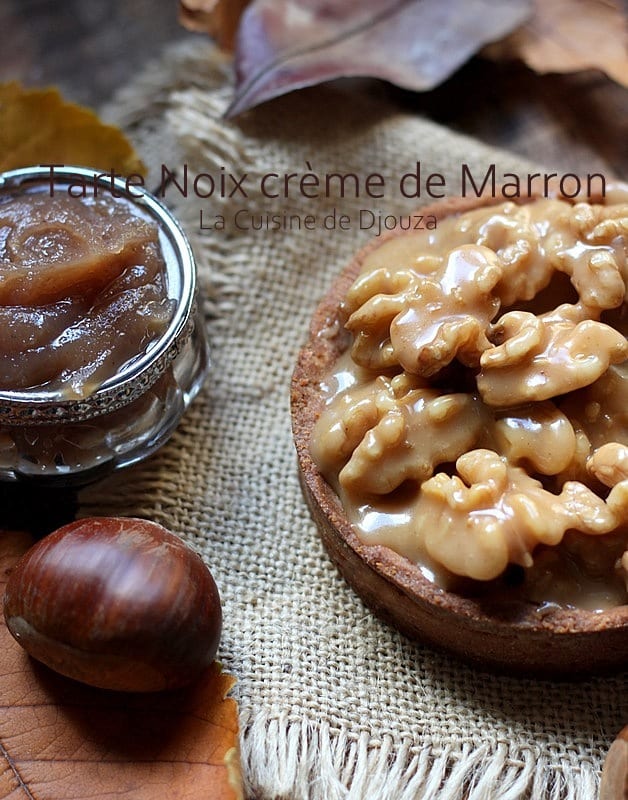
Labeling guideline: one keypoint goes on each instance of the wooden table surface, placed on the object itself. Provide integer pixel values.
(89, 48)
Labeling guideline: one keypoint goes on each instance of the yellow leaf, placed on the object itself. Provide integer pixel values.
(570, 35)
(37, 126)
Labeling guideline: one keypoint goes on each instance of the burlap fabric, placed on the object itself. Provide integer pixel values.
(333, 703)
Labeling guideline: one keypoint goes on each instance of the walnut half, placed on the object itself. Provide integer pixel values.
(492, 513)
(546, 356)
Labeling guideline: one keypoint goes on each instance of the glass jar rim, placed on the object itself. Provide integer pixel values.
(37, 406)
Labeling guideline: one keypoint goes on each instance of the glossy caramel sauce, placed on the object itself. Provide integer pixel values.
(478, 423)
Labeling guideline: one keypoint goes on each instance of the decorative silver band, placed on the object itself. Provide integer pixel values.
(104, 401)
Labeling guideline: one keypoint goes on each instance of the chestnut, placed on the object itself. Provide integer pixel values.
(118, 603)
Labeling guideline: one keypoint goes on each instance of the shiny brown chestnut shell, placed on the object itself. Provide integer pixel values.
(118, 603)
(614, 781)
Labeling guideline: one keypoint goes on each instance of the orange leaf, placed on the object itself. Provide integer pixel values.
(61, 740)
(218, 18)
(570, 35)
(37, 126)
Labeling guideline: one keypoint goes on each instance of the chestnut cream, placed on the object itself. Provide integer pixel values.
(82, 290)
(103, 347)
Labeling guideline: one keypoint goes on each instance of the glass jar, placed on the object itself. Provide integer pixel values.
(48, 436)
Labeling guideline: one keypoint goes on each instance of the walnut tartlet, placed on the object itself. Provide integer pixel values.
(460, 418)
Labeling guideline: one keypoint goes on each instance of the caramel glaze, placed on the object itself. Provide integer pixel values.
(530, 618)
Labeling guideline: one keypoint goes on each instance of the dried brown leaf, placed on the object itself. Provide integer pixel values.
(61, 740)
(288, 44)
(37, 126)
(571, 35)
(218, 18)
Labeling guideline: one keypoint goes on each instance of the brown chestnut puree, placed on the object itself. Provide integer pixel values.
(479, 419)
(82, 291)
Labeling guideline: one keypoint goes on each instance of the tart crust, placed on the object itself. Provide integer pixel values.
(511, 636)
